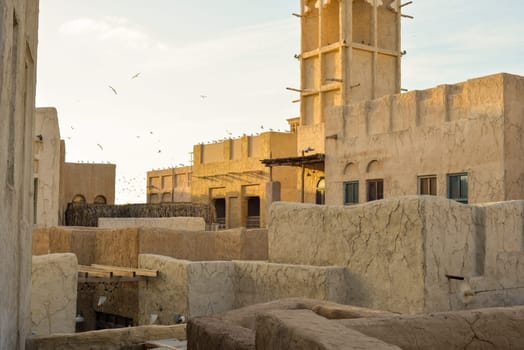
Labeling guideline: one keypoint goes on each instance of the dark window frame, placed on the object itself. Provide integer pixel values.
(463, 191)
(420, 179)
(354, 185)
(378, 192)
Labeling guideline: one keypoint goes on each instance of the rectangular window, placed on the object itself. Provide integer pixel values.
(427, 185)
(375, 189)
(351, 192)
(458, 187)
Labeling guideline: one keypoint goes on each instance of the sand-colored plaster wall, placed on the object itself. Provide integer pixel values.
(258, 282)
(18, 57)
(222, 171)
(496, 328)
(473, 127)
(174, 223)
(53, 294)
(513, 140)
(203, 288)
(410, 254)
(47, 166)
(381, 244)
(107, 339)
(77, 240)
(121, 246)
(184, 288)
(87, 180)
(117, 247)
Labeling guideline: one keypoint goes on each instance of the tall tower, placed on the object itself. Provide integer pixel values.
(350, 52)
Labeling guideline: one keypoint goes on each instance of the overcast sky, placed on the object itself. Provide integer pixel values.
(211, 68)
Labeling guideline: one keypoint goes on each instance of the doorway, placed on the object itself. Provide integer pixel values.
(220, 212)
(253, 212)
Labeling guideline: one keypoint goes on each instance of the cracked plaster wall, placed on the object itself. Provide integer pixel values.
(184, 288)
(259, 282)
(473, 127)
(204, 288)
(399, 252)
(53, 294)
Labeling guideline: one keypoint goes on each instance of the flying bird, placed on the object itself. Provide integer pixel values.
(112, 88)
(203, 97)
(100, 146)
(135, 76)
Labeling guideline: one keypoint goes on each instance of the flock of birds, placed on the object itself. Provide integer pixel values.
(129, 185)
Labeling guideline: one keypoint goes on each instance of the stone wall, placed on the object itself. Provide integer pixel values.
(18, 57)
(53, 294)
(410, 254)
(173, 223)
(88, 215)
(204, 288)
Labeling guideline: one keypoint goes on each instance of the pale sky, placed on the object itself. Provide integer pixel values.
(238, 54)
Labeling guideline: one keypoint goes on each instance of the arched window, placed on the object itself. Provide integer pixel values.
(100, 200)
(321, 192)
(79, 199)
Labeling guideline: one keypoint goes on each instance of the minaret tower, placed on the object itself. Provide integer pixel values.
(350, 52)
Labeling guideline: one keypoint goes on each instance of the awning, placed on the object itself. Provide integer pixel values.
(313, 159)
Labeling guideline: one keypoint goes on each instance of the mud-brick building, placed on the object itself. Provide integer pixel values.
(230, 176)
(172, 185)
(461, 141)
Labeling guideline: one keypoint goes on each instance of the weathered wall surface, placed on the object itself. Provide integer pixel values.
(381, 245)
(184, 288)
(204, 288)
(297, 324)
(305, 330)
(513, 140)
(18, 57)
(122, 246)
(400, 253)
(108, 339)
(53, 294)
(47, 167)
(400, 137)
(204, 245)
(258, 282)
(174, 223)
(77, 240)
(497, 328)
